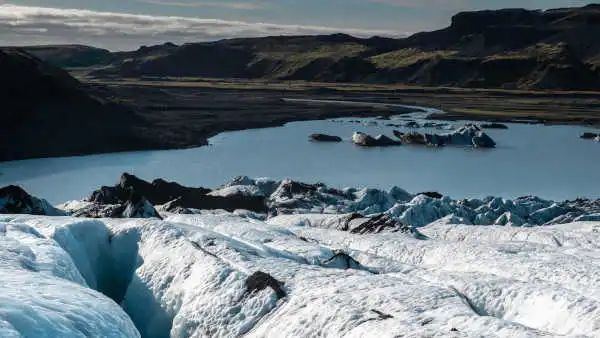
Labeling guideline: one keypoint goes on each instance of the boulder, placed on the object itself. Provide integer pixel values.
(363, 140)
(325, 138)
(588, 136)
(259, 281)
(15, 200)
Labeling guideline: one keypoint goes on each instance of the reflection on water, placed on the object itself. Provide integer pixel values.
(549, 161)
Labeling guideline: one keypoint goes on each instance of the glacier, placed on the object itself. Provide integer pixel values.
(321, 262)
(187, 276)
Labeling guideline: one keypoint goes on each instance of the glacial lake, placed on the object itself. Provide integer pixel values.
(548, 161)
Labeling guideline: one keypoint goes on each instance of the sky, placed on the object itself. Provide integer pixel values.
(128, 24)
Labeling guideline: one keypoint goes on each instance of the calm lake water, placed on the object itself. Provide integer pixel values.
(548, 161)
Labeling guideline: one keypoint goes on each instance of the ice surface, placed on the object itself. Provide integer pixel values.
(45, 295)
(185, 276)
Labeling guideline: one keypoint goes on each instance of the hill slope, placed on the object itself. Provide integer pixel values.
(71, 55)
(46, 113)
(511, 48)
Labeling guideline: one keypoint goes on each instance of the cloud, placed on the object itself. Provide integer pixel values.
(22, 25)
(229, 5)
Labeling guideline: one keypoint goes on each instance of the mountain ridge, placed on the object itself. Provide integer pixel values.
(554, 49)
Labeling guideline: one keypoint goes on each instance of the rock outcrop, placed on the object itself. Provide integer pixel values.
(259, 281)
(15, 200)
(160, 192)
(361, 210)
(46, 112)
(469, 135)
(325, 138)
(364, 140)
(589, 136)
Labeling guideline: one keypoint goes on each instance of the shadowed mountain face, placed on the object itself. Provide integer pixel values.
(512, 48)
(72, 55)
(46, 113)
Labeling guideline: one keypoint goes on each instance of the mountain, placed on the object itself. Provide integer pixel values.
(46, 112)
(71, 55)
(511, 48)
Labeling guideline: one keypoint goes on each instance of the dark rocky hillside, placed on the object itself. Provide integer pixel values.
(72, 55)
(513, 48)
(46, 113)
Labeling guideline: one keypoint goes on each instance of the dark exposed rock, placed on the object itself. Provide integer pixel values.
(289, 188)
(384, 141)
(411, 138)
(364, 140)
(160, 192)
(482, 140)
(259, 281)
(342, 260)
(15, 200)
(139, 207)
(382, 316)
(175, 207)
(493, 125)
(229, 203)
(427, 321)
(325, 138)
(374, 225)
(588, 136)
(136, 206)
(46, 112)
(432, 194)
(100, 211)
(107, 195)
(469, 135)
(435, 140)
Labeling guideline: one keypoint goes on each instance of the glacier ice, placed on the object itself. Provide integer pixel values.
(322, 262)
(188, 276)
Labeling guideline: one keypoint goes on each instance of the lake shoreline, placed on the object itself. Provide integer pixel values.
(186, 115)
